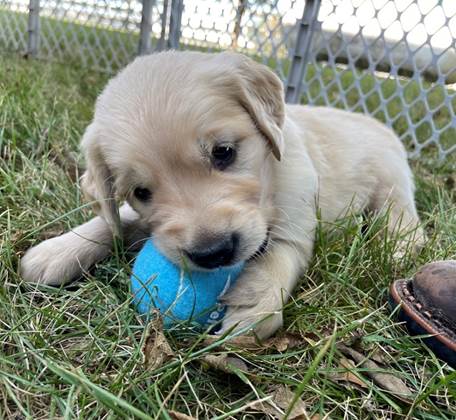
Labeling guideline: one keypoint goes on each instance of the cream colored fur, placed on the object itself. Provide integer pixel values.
(155, 125)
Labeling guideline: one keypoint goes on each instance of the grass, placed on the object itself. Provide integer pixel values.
(75, 352)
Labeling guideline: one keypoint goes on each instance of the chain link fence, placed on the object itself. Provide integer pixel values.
(13, 25)
(392, 59)
(395, 60)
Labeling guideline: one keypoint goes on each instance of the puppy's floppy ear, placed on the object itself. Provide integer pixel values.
(97, 182)
(261, 94)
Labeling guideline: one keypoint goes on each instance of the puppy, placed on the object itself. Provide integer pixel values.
(210, 161)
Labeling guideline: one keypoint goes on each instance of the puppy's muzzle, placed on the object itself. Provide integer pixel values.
(216, 252)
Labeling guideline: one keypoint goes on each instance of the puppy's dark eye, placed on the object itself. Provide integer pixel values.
(223, 156)
(142, 194)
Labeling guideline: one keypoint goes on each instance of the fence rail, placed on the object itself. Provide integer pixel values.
(393, 59)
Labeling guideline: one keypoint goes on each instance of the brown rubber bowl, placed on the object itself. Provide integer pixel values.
(428, 307)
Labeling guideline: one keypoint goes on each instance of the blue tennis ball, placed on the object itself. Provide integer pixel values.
(178, 294)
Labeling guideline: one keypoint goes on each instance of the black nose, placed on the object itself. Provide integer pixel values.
(215, 253)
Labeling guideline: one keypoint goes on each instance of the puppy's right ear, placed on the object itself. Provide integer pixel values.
(260, 93)
(97, 182)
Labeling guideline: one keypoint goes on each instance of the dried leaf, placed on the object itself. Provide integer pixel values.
(248, 342)
(17, 236)
(156, 349)
(225, 363)
(378, 357)
(285, 341)
(175, 415)
(279, 402)
(387, 381)
(347, 376)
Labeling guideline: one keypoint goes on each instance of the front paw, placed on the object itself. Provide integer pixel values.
(262, 321)
(254, 303)
(51, 262)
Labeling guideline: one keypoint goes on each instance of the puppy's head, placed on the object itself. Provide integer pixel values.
(186, 139)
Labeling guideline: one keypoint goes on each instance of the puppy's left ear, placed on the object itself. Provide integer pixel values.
(261, 94)
(98, 181)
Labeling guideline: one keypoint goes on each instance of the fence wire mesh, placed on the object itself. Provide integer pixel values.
(259, 28)
(100, 34)
(13, 25)
(395, 60)
(392, 59)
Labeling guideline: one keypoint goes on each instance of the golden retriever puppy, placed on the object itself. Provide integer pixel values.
(210, 161)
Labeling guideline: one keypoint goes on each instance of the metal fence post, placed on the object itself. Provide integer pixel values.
(306, 30)
(33, 28)
(145, 27)
(164, 26)
(177, 7)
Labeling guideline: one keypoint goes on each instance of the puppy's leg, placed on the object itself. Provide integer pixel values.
(64, 258)
(268, 281)
(262, 290)
(396, 196)
(404, 223)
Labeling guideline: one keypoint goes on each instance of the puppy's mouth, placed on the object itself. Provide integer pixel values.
(225, 256)
(262, 248)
